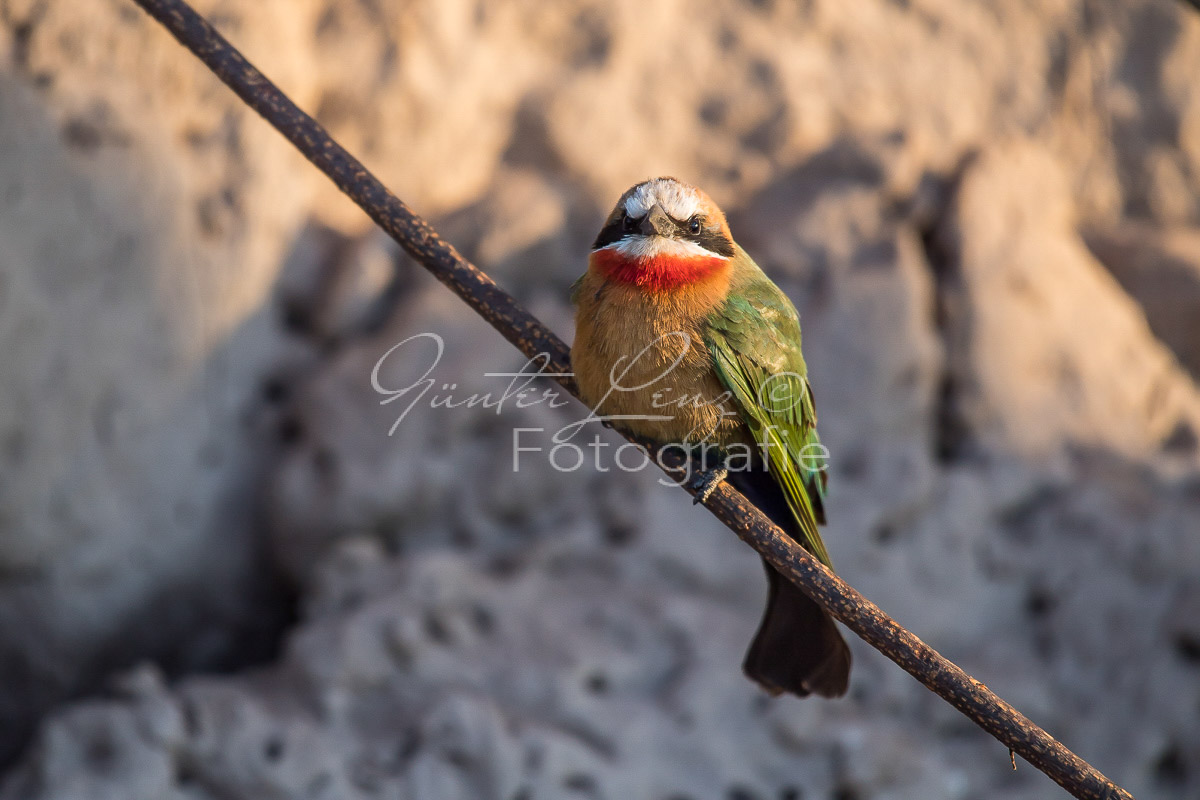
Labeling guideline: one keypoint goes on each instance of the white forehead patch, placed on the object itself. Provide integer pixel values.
(679, 201)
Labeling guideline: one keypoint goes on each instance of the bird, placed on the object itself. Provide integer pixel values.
(680, 338)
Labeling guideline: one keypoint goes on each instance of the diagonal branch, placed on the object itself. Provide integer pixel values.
(533, 339)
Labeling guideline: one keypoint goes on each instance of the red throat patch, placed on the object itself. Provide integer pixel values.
(657, 273)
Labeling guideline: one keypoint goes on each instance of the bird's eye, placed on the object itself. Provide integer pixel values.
(695, 224)
(629, 224)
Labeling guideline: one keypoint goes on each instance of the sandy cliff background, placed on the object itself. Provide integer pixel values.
(221, 577)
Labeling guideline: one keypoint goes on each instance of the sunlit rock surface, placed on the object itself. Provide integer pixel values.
(987, 215)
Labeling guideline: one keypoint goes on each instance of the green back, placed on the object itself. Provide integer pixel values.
(755, 343)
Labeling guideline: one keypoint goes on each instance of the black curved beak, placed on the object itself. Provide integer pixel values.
(656, 222)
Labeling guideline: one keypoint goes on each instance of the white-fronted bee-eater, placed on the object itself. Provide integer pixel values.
(682, 339)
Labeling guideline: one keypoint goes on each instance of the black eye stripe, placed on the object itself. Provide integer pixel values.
(710, 238)
(714, 241)
(610, 233)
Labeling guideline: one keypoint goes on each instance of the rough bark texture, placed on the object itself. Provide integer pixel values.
(1013, 441)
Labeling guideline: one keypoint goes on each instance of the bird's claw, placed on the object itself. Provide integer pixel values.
(706, 482)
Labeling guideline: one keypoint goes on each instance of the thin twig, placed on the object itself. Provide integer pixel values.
(533, 339)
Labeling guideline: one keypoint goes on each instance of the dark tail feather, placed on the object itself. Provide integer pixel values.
(798, 648)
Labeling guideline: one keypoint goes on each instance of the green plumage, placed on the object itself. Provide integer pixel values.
(754, 339)
(709, 328)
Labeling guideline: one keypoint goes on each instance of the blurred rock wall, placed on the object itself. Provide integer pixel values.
(987, 215)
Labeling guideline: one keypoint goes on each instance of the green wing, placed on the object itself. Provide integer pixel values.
(573, 292)
(755, 343)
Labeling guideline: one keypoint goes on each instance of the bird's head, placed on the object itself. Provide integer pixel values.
(663, 234)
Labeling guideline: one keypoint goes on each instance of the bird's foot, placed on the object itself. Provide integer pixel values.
(706, 482)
